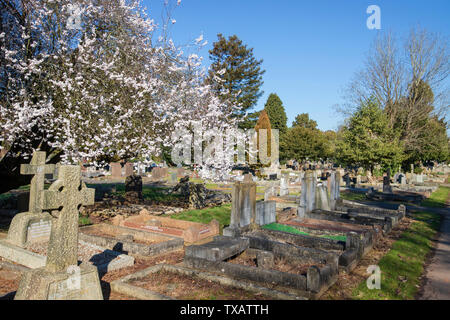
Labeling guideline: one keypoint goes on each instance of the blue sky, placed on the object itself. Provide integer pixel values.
(311, 49)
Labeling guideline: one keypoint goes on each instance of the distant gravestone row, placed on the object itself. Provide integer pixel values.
(118, 172)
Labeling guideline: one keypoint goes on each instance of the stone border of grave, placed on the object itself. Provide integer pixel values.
(385, 222)
(33, 260)
(122, 245)
(189, 231)
(212, 257)
(356, 246)
(352, 207)
(123, 287)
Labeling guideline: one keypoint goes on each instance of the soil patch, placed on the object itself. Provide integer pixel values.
(185, 287)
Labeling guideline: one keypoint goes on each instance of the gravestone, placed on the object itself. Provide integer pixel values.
(269, 192)
(333, 187)
(174, 177)
(159, 173)
(347, 179)
(243, 208)
(133, 188)
(17, 233)
(387, 185)
(62, 278)
(116, 170)
(322, 197)
(284, 190)
(307, 195)
(128, 169)
(180, 172)
(402, 179)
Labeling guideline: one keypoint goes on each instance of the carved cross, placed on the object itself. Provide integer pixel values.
(67, 195)
(38, 168)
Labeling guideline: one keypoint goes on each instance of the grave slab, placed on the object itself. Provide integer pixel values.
(130, 241)
(190, 231)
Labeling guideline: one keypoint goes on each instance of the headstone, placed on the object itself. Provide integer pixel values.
(387, 185)
(269, 192)
(180, 172)
(18, 229)
(62, 278)
(116, 170)
(174, 177)
(159, 174)
(133, 188)
(128, 169)
(265, 212)
(307, 196)
(38, 168)
(243, 208)
(347, 179)
(284, 190)
(333, 187)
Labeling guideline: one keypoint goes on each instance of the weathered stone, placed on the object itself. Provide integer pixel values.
(218, 250)
(55, 280)
(38, 168)
(116, 170)
(159, 174)
(133, 188)
(265, 212)
(129, 170)
(265, 259)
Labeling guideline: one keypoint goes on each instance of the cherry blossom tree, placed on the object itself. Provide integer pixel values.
(91, 80)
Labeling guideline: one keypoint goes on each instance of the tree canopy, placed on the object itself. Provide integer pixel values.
(235, 73)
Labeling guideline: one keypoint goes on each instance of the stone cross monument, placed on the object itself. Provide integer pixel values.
(17, 234)
(62, 278)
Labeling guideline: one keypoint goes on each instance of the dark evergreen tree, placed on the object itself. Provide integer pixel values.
(275, 111)
(240, 73)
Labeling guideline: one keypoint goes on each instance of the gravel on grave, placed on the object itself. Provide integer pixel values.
(9, 279)
(86, 252)
(104, 233)
(186, 287)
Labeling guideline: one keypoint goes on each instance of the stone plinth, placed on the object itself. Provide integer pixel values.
(79, 283)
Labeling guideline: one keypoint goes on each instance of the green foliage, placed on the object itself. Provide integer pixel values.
(368, 140)
(249, 122)
(242, 79)
(304, 121)
(301, 143)
(277, 114)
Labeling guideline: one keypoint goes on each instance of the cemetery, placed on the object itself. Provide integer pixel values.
(261, 254)
(131, 168)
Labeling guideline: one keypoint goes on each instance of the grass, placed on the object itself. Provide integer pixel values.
(285, 228)
(84, 221)
(403, 265)
(221, 214)
(437, 198)
(353, 196)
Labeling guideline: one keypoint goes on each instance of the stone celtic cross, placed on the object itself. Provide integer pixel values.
(66, 195)
(38, 168)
